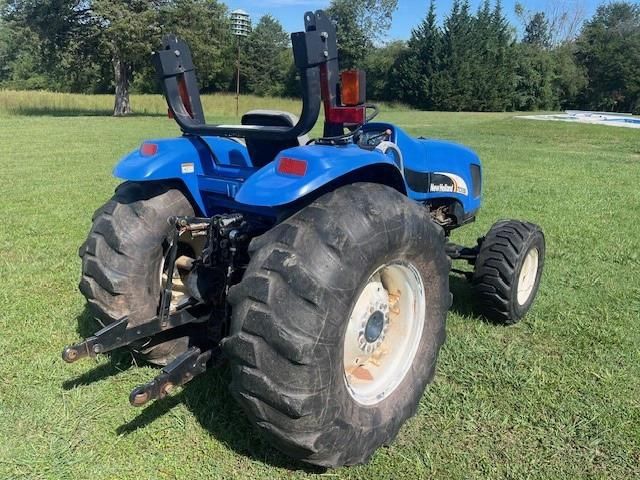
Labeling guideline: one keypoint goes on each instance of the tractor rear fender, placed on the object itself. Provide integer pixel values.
(187, 160)
(301, 172)
(168, 159)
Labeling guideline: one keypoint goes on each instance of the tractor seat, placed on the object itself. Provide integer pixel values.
(262, 152)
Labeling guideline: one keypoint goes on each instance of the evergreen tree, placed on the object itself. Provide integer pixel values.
(537, 32)
(266, 58)
(534, 76)
(502, 61)
(414, 71)
(609, 49)
(452, 83)
(483, 49)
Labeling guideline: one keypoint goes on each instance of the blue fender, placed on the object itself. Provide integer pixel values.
(270, 188)
(190, 160)
(175, 159)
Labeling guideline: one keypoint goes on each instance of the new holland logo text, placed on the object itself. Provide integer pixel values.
(441, 188)
(448, 183)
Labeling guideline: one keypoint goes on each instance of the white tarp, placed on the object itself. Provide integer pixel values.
(593, 118)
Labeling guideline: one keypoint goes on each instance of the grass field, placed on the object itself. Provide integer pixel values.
(557, 396)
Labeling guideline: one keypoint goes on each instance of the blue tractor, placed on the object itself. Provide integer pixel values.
(318, 268)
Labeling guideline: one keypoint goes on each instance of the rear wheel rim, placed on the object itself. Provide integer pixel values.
(180, 294)
(384, 332)
(528, 276)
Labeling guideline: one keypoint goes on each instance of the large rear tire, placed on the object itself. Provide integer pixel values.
(360, 268)
(122, 260)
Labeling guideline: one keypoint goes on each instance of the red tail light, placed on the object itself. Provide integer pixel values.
(149, 149)
(292, 166)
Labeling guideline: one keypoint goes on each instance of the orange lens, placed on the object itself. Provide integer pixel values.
(351, 88)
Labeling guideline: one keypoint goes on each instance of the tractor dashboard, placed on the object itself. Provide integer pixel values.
(369, 138)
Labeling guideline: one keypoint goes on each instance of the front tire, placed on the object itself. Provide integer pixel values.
(508, 270)
(122, 260)
(292, 328)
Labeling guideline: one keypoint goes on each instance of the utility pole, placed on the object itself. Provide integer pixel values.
(238, 82)
(240, 27)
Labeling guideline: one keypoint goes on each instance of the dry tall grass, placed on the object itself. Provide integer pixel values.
(44, 103)
(216, 105)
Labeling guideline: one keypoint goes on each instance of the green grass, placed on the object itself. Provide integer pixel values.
(557, 396)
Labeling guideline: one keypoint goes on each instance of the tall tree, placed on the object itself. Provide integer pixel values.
(130, 29)
(412, 77)
(547, 74)
(503, 58)
(58, 38)
(537, 32)
(534, 75)
(204, 24)
(379, 64)
(266, 58)
(609, 49)
(453, 81)
(570, 78)
(360, 24)
(563, 19)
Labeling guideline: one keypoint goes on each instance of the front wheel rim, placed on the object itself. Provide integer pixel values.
(384, 332)
(528, 276)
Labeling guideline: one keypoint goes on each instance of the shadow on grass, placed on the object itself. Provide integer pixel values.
(462, 296)
(209, 400)
(118, 364)
(119, 361)
(207, 397)
(71, 112)
(464, 302)
(87, 323)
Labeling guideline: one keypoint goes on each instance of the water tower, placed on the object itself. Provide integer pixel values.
(240, 23)
(240, 27)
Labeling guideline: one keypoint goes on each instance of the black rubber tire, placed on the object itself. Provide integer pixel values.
(121, 260)
(498, 266)
(290, 314)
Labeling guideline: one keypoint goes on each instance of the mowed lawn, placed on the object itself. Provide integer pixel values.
(557, 396)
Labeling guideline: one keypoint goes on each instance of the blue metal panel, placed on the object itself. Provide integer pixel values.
(450, 158)
(269, 188)
(220, 168)
(190, 160)
(436, 157)
(229, 152)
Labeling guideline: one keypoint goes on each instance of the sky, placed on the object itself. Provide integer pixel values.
(409, 14)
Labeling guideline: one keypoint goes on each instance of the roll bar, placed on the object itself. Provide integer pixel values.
(316, 57)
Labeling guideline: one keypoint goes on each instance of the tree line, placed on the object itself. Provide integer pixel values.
(473, 61)
(468, 60)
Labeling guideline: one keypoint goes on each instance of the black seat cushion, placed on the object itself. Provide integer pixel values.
(263, 152)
